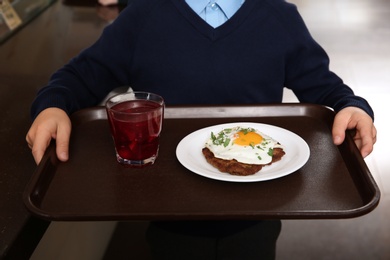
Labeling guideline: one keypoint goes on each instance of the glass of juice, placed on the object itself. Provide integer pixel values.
(135, 120)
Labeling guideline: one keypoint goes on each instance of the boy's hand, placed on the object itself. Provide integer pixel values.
(355, 118)
(51, 123)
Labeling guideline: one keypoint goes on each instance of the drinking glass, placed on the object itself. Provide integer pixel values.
(135, 120)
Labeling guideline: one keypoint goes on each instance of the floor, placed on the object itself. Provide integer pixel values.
(356, 35)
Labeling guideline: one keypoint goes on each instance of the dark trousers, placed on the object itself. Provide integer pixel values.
(213, 240)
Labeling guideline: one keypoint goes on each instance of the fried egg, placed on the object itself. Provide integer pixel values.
(244, 144)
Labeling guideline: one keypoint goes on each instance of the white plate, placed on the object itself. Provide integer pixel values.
(189, 153)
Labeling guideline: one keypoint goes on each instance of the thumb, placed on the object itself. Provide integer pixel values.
(62, 142)
(340, 125)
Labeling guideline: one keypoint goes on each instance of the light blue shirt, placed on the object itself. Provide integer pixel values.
(215, 12)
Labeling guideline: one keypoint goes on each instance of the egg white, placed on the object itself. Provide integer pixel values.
(222, 145)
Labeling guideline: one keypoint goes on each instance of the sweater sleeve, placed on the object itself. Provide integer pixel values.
(308, 74)
(97, 70)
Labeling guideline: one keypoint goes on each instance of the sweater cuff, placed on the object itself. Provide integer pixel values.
(356, 101)
(59, 98)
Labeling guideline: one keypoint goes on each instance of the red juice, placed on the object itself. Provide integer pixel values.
(136, 127)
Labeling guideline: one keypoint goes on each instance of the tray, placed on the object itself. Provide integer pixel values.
(334, 183)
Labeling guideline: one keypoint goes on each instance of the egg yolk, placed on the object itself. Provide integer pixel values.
(249, 138)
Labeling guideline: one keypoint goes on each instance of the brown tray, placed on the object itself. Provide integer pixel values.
(334, 183)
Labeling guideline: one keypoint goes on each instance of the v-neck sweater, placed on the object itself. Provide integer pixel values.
(163, 46)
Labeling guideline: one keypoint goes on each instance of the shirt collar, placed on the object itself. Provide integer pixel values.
(229, 7)
(197, 5)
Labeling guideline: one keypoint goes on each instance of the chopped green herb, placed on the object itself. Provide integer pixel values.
(247, 130)
(220, 139)
(228, 130)
(226, 143)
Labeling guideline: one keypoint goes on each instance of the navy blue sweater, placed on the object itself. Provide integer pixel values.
(162, 46)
